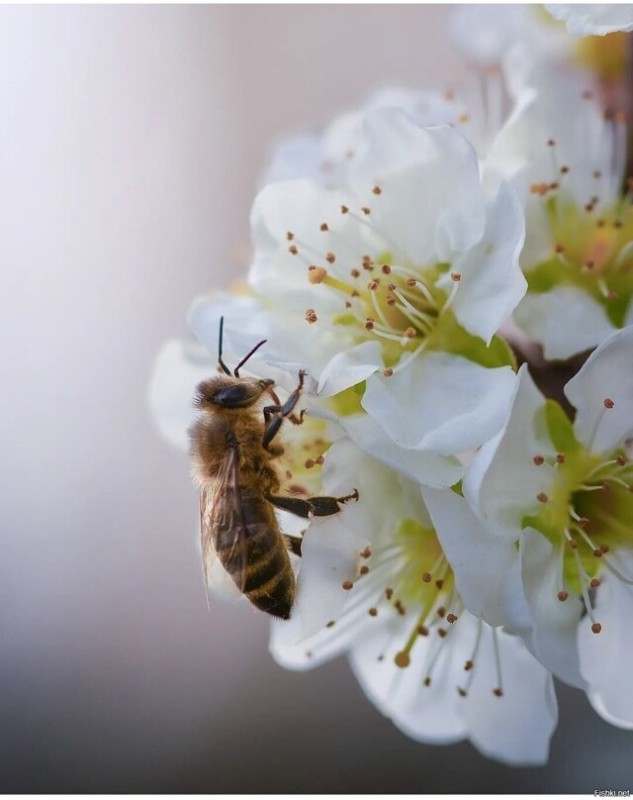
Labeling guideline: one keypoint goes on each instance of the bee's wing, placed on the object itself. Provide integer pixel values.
(222, 518)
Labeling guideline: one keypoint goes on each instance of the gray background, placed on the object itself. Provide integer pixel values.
(130, 142)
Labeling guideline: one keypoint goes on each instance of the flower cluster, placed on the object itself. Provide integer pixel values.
(452, 274)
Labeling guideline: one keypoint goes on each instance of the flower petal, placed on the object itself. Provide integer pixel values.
(179, 367)
(593, 19)
(607, 374)
(420, 466)
(565, 320)
(432, 203)
(605, 658)
(515, 728)
(552, 637)
(458, 404)
(492, 282)
(502, 481)
(480, 561)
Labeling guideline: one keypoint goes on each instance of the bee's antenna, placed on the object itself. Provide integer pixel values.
(220, 362)
(245, 359)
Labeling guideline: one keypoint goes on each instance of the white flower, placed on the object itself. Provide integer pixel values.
(375, 583)
(326, 158)
(567, 163)
(595, 19)
(487, 33)
(564, 494)
(392, 287)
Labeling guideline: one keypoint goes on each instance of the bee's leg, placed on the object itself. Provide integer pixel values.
(275, 415)
(293, 543)
(313, 506)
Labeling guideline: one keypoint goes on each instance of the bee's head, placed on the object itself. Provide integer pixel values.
(225, 391)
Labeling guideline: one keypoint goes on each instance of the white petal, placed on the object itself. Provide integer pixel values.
(350, 367)
(440, 402)
(426, 713)
(421, 466)
(552, 638)
(480, 561)
(605, 658)
(565, 320)
(502, 481)
(483, 32)
(432, 204)
(517, 727)
(492, 282)
(607, 373)
(178, 368)
(593, 19)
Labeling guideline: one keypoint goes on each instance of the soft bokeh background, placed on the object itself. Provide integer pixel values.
(130, 144)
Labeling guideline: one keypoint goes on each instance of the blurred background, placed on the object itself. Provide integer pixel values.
(130, 145)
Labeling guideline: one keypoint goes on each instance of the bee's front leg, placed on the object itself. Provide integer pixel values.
(275, 415)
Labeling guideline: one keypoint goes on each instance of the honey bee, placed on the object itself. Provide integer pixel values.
(234, 453)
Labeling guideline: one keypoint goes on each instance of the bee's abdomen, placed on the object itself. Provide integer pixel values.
(270, 581)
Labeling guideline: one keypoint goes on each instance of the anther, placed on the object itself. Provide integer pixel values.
(563, 595)
(462, 692)
(377, 190)
(311, 316)
(542, 497)
(400, 608)
(564, 170)
(366, 211)
(364, 570)
(373, 612)
(347, 585)
(441, 632)
(594, 583)
(498, 692)
(551, 142)
(426, 577)
(290, 236)
(560, 458)
(538, 460)
(451, 618)
(373, 285)
(411, 281)
(539, 188)
(330, 258)
(559, 248)
(596, 627)
(391, 300)
(355, 273)
(456, 277)
(582, 522)
(389, 593)
(427, 681)
(439, 583)
(441, 611)
(469, 665)
(423, 630)
(402, 659)
(386, 269)
(293, 249)
(597, 552)
(331, 624)
(317, 274)
(309, 463)
(410, 333)
(604, 548)
(344, 210)
(369, 324)
(366, 553)
(324, 227)
(387, 372)
(608, 402)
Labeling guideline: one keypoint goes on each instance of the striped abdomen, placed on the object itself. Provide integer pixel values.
(257, 558)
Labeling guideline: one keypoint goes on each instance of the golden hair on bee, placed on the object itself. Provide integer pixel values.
(234, 454)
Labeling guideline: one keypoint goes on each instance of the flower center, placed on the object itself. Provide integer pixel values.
(582, 516)
(592, 244)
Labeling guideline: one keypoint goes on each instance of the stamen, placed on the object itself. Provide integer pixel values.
(498, 691)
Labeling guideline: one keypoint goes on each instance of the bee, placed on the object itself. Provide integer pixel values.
(234, 451)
